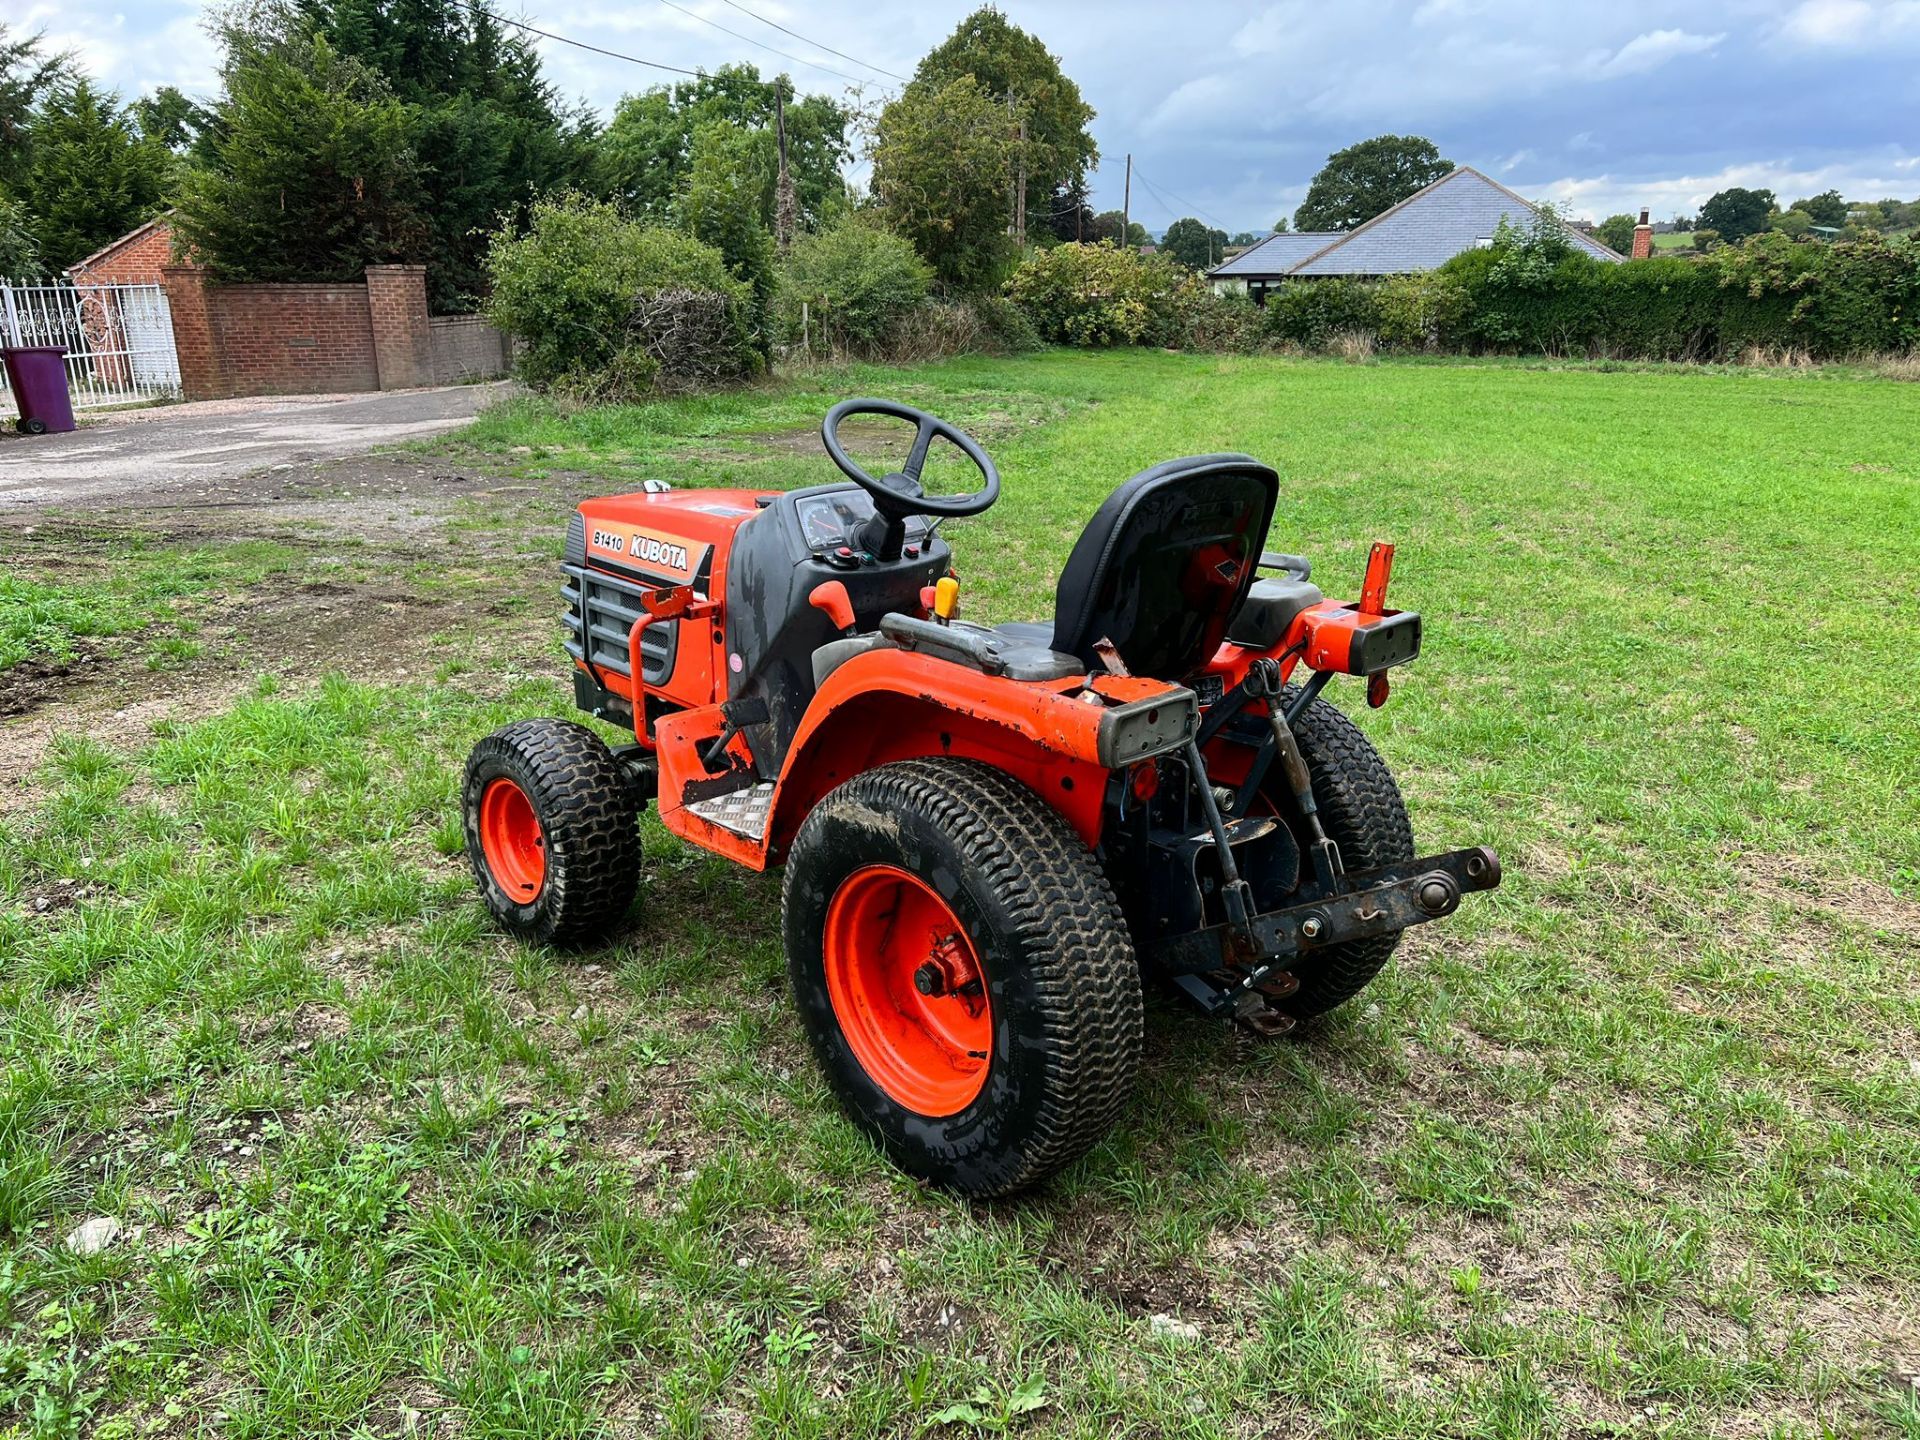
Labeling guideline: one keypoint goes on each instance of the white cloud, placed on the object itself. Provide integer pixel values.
(1852, 24)
(1599, 195)
(1829, 22)
(1654, 49)
(1238, 115)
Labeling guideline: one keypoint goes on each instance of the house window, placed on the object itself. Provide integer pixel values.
(1485, 242)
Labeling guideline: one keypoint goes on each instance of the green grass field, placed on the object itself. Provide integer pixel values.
(1630, 1147)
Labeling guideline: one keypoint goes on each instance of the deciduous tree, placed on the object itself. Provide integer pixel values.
(1616, 233)
(168, 117)
(1107, 227)
(1194, 243)
(1359, 182)
(1016, 69)
(648, 144)
(1826, 208)
(940, 158)
(720, 204)
(1737, 213)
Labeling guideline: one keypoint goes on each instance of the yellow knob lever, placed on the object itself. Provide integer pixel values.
(946, 598)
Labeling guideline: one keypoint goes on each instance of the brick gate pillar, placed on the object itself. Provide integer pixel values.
(402, 336)
(201, 374)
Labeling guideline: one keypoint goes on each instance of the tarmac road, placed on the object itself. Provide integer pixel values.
(183, 447)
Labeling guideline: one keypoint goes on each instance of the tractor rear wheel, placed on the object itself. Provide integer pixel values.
(963, 971)
(551, 830)
(1362, 812)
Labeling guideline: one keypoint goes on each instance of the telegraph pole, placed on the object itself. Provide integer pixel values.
(1013, 186)
(785, 206)
(1020, 192)
(1126, 209)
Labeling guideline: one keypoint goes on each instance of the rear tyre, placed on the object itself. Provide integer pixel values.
(552, 831)
(1361, 809)
(31, 425)
(963, 972)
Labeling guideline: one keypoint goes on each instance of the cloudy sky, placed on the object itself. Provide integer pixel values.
(1229, 108)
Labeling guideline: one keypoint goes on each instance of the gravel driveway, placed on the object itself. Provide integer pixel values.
(180, 446)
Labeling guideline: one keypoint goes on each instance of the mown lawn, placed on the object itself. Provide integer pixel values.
(1630, 1147)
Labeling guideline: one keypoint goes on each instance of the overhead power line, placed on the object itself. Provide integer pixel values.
(577, 44)
(866, 64)
(694, 15)
(1162, 198)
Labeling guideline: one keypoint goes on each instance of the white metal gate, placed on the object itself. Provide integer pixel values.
(119, 338)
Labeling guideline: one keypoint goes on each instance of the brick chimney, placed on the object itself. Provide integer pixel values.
(1642, 238)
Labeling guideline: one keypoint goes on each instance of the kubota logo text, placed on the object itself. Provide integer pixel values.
(644, 549)
(648, 550)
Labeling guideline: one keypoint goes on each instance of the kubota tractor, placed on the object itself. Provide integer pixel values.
(990, 834)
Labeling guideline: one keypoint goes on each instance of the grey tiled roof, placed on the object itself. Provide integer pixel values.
(1423, 232)
(1277, 253)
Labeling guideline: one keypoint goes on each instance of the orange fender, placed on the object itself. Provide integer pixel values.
(891, 705)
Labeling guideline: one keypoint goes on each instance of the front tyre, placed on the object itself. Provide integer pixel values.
(551, 831)
(963, 971)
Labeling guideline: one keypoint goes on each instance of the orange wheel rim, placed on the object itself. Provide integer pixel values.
(908, 990)
(511, 840)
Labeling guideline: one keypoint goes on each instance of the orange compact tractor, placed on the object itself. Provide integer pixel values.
(989, 834)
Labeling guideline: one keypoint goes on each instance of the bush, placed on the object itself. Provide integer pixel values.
(1417, 312)
(1004, 325)
(1227, 323)
(1311, 312)
(978, 325)
(609, 308)
(857, 282)
(1104, 295)
(1858, 297)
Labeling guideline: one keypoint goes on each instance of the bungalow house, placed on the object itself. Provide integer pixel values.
(1459, 211)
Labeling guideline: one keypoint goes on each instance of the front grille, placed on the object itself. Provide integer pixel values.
(601, 609)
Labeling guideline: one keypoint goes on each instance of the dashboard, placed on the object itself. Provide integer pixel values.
(830, 519)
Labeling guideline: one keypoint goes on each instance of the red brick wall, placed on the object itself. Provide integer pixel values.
(402, 339)
(293, 339)
(138, 260)
(201, 377)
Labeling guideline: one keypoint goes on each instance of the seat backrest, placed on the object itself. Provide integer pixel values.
(1164, 564)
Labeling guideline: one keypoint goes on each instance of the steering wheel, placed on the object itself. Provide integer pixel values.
(898, 495)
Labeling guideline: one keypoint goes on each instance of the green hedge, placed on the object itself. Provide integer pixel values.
(1837, 301)
(1530, 292)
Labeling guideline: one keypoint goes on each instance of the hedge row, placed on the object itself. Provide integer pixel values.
(610, 308)
(1530, 292)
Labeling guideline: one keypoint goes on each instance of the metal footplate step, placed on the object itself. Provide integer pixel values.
(744, 812)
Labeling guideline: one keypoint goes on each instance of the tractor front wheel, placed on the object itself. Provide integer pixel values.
(963, 971)
(551, 830)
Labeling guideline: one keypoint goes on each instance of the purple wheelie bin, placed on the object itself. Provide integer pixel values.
(37, 374)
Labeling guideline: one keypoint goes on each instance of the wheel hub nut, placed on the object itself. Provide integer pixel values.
(928, 980)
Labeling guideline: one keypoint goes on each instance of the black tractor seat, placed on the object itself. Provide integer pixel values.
(1162, 568)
